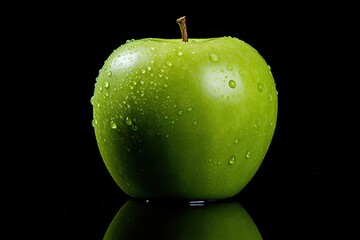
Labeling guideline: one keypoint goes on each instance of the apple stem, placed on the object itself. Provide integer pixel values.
(182, 23)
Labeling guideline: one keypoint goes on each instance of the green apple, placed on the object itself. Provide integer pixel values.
(140, 220)
(184, 118)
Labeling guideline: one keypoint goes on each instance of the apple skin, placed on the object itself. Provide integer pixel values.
(189, 120)
(223, 220)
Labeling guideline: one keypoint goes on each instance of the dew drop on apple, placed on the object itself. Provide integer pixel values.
(180, 112)
(109, 74)
(128, 121)
(260, 87)
(236, 141)
(195, 123)
(232, 84)
(189, 109)
(113, 125)
(107, 84)
(248, 154)
(179, 53)
(232, 160)
(213, 57)
(94, 122)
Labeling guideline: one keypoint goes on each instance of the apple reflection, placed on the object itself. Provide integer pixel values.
(194, 220)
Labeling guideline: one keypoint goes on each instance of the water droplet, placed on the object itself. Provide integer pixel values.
(113, 125)
(210, 159)
(107, 84)
(232, 84)
(109, 73)
(134, 127)
(232, 160)
(128, 121)
(169, 64)
(167, 97)
(179, 53)
(236, 141)
(180, 112)
(92, 100)
(195, 123)
(248, 154)
(166, 117)
(229, 67)
(213, 57)
(94, 122)
(189, 109)
(260, 87)
(100, 88)
(143, 71)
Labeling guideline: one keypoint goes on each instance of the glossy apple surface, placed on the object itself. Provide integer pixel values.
(189, 120)
(140, 220)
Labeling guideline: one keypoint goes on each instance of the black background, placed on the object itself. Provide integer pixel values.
(55, 182)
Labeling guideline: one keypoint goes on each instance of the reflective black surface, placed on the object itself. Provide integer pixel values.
(170, 220)
(55, 185)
